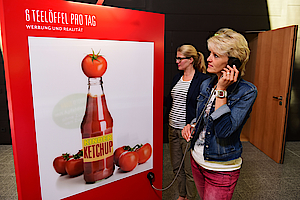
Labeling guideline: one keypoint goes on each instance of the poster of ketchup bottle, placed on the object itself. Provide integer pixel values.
(97, 124)
(65, 127)
(87, 111)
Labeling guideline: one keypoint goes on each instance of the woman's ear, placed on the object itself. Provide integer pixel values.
(191, 60)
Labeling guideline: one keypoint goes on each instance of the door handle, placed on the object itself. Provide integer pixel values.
(278, 98)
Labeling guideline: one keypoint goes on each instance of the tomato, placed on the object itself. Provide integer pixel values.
(128, 160)
(144, 153)
(117, 154)
(74, 167)
(60, 162)
(94, 65)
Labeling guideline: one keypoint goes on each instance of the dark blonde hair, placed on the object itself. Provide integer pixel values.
(190, 51)
(232, 44)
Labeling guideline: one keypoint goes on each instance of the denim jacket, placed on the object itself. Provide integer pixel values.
(224, 126)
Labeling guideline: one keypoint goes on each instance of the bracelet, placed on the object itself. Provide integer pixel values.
(221, 93)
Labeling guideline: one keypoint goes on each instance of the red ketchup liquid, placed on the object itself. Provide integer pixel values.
(97, 139)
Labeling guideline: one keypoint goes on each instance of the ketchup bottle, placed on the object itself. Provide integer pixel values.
(97, 138)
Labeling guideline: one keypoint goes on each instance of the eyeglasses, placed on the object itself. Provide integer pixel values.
(180, 59)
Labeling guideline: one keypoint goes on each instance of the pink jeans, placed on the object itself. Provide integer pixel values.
(214, 185)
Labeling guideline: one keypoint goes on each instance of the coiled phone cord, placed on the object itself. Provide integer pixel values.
(186, 148)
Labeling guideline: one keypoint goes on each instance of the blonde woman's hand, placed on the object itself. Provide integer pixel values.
(187, 132)
(230, 76)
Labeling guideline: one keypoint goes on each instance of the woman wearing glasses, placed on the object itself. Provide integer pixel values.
(224, 105)
(181, 108)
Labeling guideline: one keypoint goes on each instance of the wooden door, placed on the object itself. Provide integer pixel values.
(273, 73)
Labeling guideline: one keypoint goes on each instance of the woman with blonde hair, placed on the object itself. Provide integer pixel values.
(181, 108)
(224, 105)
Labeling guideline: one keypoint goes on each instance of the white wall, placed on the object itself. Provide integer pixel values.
(284, 13)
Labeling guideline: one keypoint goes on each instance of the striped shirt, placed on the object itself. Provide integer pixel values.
(177, 116)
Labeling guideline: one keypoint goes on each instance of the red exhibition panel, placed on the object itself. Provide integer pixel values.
(44, 43)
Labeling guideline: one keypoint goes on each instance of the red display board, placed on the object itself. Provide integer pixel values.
(44, 45)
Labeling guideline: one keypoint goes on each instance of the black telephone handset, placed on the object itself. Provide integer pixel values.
(234, 61)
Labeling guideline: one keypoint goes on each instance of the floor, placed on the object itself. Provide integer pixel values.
(8, 187)
(261, 178)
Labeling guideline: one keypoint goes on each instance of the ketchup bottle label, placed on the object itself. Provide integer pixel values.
(97, 148)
